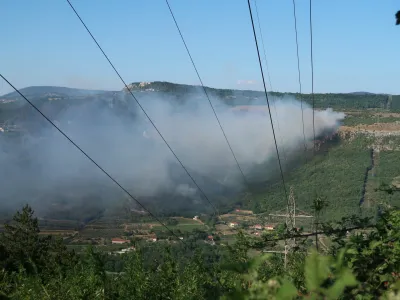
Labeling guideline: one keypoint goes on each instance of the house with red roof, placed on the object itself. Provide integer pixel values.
(119, 241)
(257, 227)
(269, 227)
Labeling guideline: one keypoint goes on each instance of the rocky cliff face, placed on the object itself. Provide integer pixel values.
(383, 136)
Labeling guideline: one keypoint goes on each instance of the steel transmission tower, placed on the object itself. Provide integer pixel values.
(290, 221)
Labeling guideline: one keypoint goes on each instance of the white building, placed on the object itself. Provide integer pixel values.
(233, 224)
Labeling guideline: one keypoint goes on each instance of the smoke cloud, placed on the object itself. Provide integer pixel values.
(126, 145)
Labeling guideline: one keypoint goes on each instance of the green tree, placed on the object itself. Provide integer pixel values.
(22, 244)
(374, 256)
(23, 248)
(319, 204)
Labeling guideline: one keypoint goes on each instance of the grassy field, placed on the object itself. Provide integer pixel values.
(181, 227)
(228, 239)
(183, 221)
(105, 233)
(386, 171)
(52, 224)
(368, 119)
(338, 174)
(81, 247)
(57, 232)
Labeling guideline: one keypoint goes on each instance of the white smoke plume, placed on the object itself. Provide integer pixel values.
(132, 151)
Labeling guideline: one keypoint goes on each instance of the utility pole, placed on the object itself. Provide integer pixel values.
(290, 221)
(319, 203)
(285, 259)
(316, 236)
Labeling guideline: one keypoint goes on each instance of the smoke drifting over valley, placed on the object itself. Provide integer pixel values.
(44, 167)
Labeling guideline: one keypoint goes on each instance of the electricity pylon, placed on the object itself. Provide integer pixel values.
(290, 221)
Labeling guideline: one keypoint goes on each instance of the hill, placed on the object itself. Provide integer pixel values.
(356, 100)
(362, 93)
(21, 122)
(179, 93)
(50, 91)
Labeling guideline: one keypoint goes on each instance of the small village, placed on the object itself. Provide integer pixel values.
(121, 237)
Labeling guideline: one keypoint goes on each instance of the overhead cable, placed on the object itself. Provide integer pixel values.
(269, 109)
(88, 157)
(270, 84)
(140, 106)
(312, 72)
(299, 73)
(262, 42)
(313, 111)
(205, 91)
(305, 235)
(106, 173)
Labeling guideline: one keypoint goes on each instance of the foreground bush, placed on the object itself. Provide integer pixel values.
(362, 266)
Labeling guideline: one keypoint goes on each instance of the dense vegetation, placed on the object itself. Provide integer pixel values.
(336, 174)
(386, 173)
(55, 99)
(344, 164)
(246, 97)
(394, 103)
(367, 119)
(366, 266)
(365, 263)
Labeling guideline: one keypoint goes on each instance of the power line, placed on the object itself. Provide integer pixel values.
(205, 91)
(262, 42)
(333, 231)
(312, 73)
(106, 173)
(266, 96)
(88, 157)
(313, 106)
(140, 106)
(269, 80)
(298, 70)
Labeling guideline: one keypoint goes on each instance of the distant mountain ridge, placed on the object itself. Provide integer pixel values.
(156, 86)
(363, 93)
(35, 91)
(181, 93)
(166, 86)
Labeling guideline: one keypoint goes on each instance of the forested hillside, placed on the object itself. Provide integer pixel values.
(180, 93)
(343, 162)
(336, 173)
(248, 97)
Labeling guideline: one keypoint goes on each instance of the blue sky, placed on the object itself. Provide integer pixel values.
(356, 45)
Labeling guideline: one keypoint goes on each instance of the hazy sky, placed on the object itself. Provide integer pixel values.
(356, 44)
